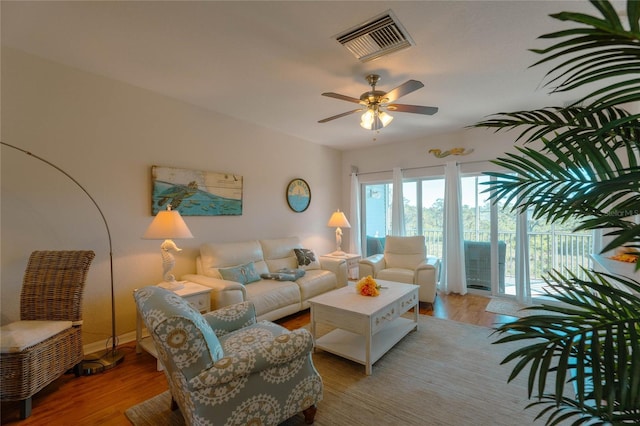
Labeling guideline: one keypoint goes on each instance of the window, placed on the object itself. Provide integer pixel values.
(489, 232)
(490, 256)
(376, 216)
(423, 213)
(432, 202)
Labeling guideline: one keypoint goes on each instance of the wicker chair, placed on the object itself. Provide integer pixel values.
(47, 341)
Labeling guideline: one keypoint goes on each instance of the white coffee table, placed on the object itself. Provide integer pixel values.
(365, 327)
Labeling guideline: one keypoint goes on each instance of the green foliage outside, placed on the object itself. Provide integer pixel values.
(550, 244)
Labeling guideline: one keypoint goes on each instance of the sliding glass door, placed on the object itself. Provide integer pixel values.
(432, 203)
(423, 213)
(376, 216)
(490, 234)
(490, 244)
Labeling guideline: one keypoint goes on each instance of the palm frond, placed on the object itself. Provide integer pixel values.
(570, 125)
(592, 336)
(598, 38)
(568, 183)
(588, 168)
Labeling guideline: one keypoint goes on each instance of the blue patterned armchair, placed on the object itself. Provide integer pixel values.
(223, 367)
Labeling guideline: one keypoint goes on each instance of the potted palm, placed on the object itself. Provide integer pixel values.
(588, 169)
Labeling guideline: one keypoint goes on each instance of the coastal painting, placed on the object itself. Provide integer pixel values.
(196, 193)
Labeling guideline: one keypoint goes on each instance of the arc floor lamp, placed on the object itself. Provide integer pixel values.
(112, 356)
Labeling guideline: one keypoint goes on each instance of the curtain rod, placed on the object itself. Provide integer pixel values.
(421, 167)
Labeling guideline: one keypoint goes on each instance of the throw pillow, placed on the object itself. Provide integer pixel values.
(297, 273)
(307, 259)
(244, 274)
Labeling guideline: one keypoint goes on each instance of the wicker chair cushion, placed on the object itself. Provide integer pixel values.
(18, 335)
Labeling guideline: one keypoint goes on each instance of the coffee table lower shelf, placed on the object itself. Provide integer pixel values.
(354, 346)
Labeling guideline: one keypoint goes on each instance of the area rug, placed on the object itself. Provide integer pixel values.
(446, 373)
(505, 306)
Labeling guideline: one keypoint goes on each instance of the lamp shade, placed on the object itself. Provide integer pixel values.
(166, 225)
(338, 220)
(367, 119)
(385, 118)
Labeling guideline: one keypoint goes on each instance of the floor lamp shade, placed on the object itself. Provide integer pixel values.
(338, 220)
(168, 224)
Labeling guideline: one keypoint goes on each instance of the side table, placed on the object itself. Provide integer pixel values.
(352, 259)
(197, 295)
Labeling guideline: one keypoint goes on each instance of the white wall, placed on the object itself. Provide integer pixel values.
(486, 145)
(107, 135)
(415, 160)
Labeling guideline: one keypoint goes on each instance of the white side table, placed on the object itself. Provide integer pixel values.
(352, 259)
(197, 295)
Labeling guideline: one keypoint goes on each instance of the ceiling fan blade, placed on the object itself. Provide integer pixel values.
(416, 109)
(341, 97)
(344, 114)
(404, 89)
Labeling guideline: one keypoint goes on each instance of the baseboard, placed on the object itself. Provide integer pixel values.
(101, 345)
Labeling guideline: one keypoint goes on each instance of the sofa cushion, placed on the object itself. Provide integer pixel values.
(307, 259)
(403, 261)
(315, 282)
(278, 253)
(269, 295)
(222, 255)
(400, 275)
(244, 274)
(404, 252)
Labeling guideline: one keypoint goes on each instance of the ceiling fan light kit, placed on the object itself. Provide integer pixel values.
(374, 103)
(374, 119)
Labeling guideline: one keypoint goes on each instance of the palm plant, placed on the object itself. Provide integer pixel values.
(588, 169)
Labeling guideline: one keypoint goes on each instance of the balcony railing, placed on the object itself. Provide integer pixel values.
(563, 251)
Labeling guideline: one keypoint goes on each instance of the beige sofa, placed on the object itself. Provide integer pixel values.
(272, 298)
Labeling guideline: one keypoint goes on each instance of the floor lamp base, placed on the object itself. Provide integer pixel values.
(94, 364)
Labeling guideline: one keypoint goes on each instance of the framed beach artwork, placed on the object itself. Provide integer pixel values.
(196, 193)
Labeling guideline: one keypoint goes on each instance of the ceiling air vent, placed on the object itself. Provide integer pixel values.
(375, 38)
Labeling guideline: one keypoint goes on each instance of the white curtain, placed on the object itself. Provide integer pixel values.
(453, 278)
(354, 216)
(598, 240)
(397, 204)
(523, 285)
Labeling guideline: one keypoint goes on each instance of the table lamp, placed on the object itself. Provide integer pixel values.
(166, 225)
(338, 220)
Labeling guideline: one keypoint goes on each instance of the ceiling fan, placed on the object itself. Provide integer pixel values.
(374, 102)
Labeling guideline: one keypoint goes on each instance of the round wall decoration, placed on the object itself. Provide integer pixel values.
(298, 195)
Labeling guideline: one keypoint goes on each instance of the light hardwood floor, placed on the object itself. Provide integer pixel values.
(102, 399)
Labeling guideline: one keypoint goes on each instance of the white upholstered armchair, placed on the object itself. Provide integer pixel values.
(404, 260)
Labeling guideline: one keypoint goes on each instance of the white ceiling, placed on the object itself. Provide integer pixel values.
(267, 62)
